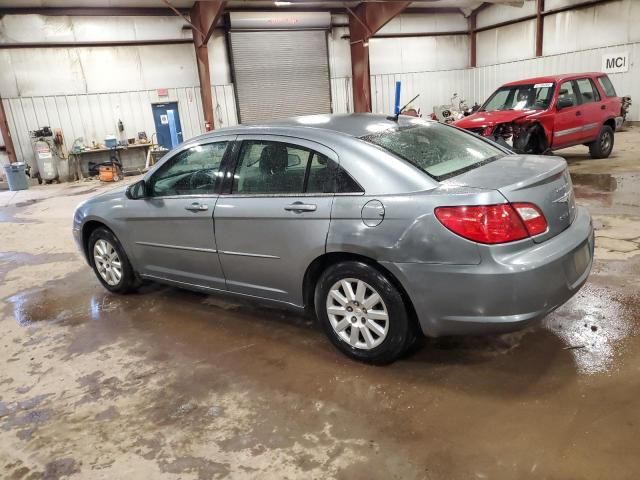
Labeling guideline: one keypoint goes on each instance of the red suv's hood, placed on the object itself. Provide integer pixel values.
(490, 119)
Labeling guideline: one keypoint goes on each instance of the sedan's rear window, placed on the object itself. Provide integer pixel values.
(439, 150)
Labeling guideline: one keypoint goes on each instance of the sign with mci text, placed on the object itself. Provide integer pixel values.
(615, 62)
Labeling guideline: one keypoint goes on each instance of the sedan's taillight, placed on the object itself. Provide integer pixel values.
(533, 218)
(493, 223)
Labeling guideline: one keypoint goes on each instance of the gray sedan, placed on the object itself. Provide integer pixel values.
(387, 228)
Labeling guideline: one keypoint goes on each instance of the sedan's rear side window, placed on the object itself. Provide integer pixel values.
(270, 167)
(439, 150)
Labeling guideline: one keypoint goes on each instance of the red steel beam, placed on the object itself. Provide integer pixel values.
(473, 49)
(539, 27)
(6, 134)
(205, 16)
(364, 21)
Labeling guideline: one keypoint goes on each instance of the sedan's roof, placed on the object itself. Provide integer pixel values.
(353, 125)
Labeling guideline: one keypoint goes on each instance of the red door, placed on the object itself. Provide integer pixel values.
(569, 118)
(592, 108)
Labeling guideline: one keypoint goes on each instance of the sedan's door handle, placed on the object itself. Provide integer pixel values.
(197, 207)
(299, 207)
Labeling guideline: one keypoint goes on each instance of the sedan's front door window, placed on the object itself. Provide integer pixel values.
(190, 172)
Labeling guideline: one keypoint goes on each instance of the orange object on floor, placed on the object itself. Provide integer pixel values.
(109, 173)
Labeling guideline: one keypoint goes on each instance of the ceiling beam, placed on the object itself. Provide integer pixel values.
(91, 11)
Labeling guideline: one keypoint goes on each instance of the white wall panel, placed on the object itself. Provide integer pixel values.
(607, 24)
(341, 95)
(417, 54)
(421, 23)
(62, 71)
(219, 67)
(505, 44)
(339, 52)
(39, 28)
(93, 116)
(502, 13)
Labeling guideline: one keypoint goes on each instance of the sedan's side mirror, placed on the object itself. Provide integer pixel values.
(137, 190)
(564, 103)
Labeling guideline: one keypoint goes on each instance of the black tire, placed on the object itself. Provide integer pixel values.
(603, 146)
(400, 333)
(128, 281)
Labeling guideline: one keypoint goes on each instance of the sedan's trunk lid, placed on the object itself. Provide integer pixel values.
(543, 181)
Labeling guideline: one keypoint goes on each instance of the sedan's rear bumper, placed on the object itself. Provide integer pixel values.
(507, 291)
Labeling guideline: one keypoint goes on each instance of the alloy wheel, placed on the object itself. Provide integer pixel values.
(605, 142)
(107, 262)
(357, 313)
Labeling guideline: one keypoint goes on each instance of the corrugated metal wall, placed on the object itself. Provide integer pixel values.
(92, 116)
(476, 84)
(341, 95)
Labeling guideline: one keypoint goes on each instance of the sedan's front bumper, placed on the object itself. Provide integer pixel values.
(507, 291)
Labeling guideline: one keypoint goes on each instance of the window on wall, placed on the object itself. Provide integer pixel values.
(607, 86)
(190, 172)
(588, 91)
(267, 167)
(567, 92)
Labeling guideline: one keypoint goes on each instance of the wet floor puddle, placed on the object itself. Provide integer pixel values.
(609, 190)
(590, 327)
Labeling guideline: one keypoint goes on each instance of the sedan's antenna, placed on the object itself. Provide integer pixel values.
(402, 109)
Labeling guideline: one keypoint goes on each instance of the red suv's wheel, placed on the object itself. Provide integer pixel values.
(603, 145)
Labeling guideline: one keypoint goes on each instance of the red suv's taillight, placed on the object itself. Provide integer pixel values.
(493, 223)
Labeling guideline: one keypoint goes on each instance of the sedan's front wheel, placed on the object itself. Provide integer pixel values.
(362, 313)
(110, 263)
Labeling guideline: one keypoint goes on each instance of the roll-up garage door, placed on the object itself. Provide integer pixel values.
(280, 74)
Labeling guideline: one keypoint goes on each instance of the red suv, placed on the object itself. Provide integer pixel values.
(548, 113)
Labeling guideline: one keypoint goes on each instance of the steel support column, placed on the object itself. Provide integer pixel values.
(6, 134)
(539, 27)
(204, 17)
(364, 22)
(472, 20)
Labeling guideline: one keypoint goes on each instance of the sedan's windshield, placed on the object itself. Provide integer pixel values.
(439, 150)
(520, 97)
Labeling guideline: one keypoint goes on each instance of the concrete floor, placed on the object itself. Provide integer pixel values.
(177, 385)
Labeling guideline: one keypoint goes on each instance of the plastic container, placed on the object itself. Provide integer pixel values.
(110, 141)
(108, 173)
(16, 176)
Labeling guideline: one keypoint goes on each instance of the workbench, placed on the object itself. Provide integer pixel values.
(132, 158)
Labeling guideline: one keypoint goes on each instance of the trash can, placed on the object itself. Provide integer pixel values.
(16, 176)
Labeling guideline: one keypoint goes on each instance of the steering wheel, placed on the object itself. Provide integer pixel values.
(201, 180)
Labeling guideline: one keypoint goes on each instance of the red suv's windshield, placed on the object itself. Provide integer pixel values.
(520, 97)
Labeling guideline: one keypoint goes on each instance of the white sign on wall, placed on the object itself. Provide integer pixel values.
(615, 62)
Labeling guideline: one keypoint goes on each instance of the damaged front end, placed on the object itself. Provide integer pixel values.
(519, 136)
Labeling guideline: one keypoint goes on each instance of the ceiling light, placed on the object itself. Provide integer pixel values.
(281, 4)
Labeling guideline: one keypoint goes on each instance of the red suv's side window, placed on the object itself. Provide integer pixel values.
(607, 86)
(588, 91)
(567, 92)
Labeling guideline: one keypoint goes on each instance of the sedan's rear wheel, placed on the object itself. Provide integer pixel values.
(357, 313)
(362, 312)
(110, 262)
